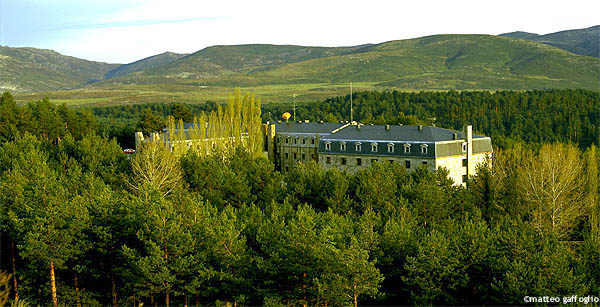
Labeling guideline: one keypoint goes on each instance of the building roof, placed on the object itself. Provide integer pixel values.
(306, 128)
(396, 133)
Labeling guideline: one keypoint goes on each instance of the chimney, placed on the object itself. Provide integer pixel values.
(468, 135)
(387, 127)
(420, 127)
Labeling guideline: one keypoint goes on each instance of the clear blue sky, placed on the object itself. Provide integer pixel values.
(122, 31)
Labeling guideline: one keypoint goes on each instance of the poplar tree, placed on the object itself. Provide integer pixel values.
(592, 188)
(155, 165)
(553, 186)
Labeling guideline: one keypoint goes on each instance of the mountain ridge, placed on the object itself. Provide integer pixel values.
(435, 62)
(584, 41)
(143, 64)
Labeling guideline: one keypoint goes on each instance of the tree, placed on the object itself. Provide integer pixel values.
(183, 112)
(168, 246)
(554, 188)
(55, 217)
(435, 273)
(154, 165)
(149, 122)
(593, 191)
(351, 275)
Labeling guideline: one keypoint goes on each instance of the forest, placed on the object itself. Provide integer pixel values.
(82, 224)
(541, 116)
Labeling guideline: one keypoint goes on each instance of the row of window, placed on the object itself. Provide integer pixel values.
(295, 155)
(295, 140)
(359, 161)
(390, 147)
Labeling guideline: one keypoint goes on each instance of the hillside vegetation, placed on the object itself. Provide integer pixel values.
(439, 62)
(434, 62)
(146, 63)
(581, 41)
(31, 69)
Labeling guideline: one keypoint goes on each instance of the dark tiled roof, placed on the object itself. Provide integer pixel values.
(306, 128)
(396, 133)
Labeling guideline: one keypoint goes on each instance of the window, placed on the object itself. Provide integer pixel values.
(343, 161)
(390, 147)
(327, 145)
(295, 156)
(287, 155)
(342, 146)
(287, 168)
(464, 147)
(295, 140)
(312, 141)
(424, 162)
(406, 148)
(328, 160)
(358, 161)
(312, 156)
(424, 149)
(374, 147)
(287, 140)
(357, 147)
(303, 141)
(278, 140)
(464, 162)
(373, 161)
(303, 156)
(407, 164)
(391, 161)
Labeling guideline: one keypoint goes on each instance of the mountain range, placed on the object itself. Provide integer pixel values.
(582, 41)
(517, 60)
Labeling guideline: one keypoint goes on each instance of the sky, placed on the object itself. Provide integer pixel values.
(123, 31)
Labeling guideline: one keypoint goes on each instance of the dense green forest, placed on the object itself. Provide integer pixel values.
(569, 116)
(228, 229)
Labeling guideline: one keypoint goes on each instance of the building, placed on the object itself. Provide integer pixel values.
(292, 142)
(353, 146)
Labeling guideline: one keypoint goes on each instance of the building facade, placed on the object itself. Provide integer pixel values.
(292, 142)
(352, 146)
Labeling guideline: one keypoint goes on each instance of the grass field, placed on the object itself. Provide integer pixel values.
(189, 93)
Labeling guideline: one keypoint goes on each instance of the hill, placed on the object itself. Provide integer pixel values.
(434, 62)
(581, 41)
(143, 64)
(31, 69)
(217, 61)
(439, 62)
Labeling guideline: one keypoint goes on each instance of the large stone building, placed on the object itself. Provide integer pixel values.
(352, 146)
(290, 143)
